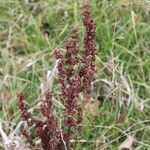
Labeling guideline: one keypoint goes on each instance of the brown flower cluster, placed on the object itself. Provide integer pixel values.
(75, 74)
(70, 81)
(46, 130)
(89, 46)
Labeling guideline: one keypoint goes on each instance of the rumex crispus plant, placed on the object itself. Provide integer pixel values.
(75, 74)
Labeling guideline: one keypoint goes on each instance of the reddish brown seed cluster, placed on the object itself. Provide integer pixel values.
(46, 130)
(71, 86)
(23, 107)
(75, 74)
(58, 54)
(49, 131)
(89, 46)
(27, 136)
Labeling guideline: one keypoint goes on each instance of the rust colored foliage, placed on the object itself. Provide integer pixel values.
(75, 73)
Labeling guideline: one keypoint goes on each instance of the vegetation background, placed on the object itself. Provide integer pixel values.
(30, 30)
